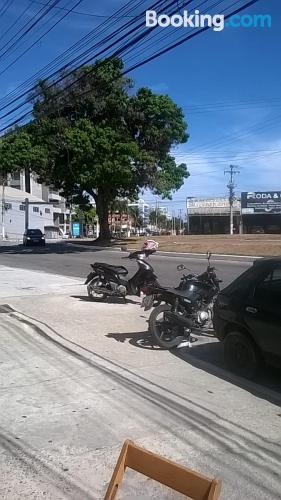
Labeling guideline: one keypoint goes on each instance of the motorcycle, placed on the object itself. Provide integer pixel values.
(186, 308)
(107, 280)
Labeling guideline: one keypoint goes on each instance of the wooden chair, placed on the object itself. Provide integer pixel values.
(181, 479)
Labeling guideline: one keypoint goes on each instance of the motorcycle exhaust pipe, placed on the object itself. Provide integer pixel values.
(176, 318)
(100, 289)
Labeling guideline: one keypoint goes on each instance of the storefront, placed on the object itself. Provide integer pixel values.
(212, 215)
(261, 211)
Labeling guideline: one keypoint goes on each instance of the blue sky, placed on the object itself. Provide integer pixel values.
(232, 75)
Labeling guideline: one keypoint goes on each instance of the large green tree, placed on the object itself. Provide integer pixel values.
(104, 141)
(18, 151)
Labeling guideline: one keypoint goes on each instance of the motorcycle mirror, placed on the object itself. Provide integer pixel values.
(181, 267)
(209, 255)
(124, 248)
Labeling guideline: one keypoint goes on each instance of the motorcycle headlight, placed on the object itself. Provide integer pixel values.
(203, 316)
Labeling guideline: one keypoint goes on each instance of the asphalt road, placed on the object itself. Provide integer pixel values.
(69, 259)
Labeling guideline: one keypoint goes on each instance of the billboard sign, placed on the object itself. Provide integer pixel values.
(210, 206)
(261, 202)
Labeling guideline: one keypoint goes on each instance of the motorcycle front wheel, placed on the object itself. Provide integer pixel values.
(163, 333)
(93, 292)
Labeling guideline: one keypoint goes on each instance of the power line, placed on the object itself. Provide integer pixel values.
(152, 57)
(267, 124)
(40, 38)
(5, 7)
(42, 13)
(19, 18)
(21, 96)
(116, 53)
(93, 34)
(81, 43)
(88, 14)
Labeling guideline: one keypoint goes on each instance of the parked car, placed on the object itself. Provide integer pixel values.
(247, 318)
(33, 237)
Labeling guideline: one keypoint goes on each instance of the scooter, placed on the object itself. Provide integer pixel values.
(107, 280)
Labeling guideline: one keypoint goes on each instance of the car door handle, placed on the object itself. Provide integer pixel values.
(251, 310)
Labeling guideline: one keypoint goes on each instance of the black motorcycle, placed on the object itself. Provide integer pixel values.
(107, 280)
(186, 308)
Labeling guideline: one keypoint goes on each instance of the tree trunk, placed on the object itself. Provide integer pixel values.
(102, 207)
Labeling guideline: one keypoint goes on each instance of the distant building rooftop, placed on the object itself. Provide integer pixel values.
(11, 194)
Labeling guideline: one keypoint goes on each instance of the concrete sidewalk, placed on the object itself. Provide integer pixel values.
(21, 282)
(78, 378)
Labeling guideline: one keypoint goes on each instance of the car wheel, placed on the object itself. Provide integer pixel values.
(241, 355)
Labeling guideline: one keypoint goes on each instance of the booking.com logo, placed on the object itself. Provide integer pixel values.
(216, 21)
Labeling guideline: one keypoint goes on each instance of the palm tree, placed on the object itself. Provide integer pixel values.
(135, 214)
(119, 205)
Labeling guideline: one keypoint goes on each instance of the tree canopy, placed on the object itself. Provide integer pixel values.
(91, 136)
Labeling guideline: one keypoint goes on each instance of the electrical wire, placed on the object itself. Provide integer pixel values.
(158, 53)
(55, 66)
(40, 38)
(118, 52)
(19, 18)
(5, 7)
(42, 13)
(88, 14)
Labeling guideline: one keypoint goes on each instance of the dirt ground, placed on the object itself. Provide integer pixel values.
(248, 244)
(257, 245)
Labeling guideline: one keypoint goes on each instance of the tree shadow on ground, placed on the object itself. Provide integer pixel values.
(113, 243)
(49, 248)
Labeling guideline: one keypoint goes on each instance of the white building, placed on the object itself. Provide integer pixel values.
(27, 187)
(15, 215)
(143, 210)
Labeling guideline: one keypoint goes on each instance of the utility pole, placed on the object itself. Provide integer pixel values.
(26, 211)
(233, 170)
(180, 211)
(3, 210)
(156, 215)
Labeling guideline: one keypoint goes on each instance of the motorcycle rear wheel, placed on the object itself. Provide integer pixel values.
(164, 334)
(92, 288)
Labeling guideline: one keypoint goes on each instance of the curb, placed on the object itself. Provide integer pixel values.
(188, 254)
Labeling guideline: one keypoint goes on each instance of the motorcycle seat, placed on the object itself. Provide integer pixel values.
(178, 293)
(120, 270)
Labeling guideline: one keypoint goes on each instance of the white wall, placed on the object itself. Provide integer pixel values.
(15, 219)
(36, 189)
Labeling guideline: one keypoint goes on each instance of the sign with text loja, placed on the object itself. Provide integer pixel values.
(261, 202)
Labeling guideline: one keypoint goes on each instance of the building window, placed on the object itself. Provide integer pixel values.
(47, 211)
(36, 209)
(22, 208)
(8, 206)
(16, 176)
